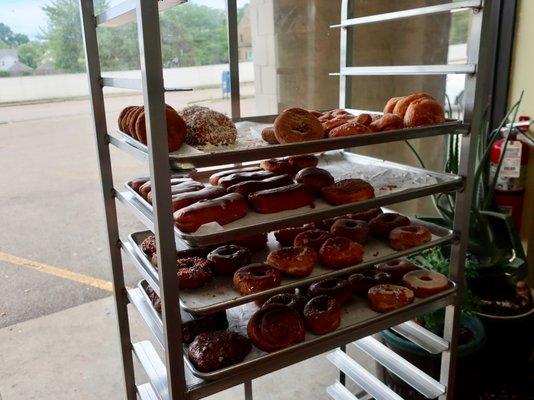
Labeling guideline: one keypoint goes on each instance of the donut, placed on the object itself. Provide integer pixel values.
(131, 122)
(365, 215)
(214, 178)
(355, 230)
(181, 200)
(277, 166)
(348, 191)
(297, 125)
(396, 268)
(335, 122)
(176, 129)
(350, 128)
(222, 210)
(402, 104)
(205, 126)
(247, 187)
(225, 260)
(313, 238)
(286, 236)
(293, 300)
(363, 281)
(253, 242)
(282, 198)
(425, 283)
(146, 188)
(208, 323)
(386, 297)
(256, 278)
(274, 327)
(424, 111)
(314, 178)
(383, 224)
(364, 119)
(268, 135)
(135, 184)
(122, 115)
(406, 237)
(339, 252)
(339, 289)
(315, 113)
(322, 315)
(183, 187)
(388, 122)
(390, 105)
(211, 351)
(193, 272)
(238, 177)
(294, 261)
(149, 245)
(302, 161)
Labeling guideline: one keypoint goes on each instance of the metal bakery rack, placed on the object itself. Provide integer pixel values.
(173, 378)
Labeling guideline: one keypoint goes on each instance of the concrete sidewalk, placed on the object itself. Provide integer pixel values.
(74, 355)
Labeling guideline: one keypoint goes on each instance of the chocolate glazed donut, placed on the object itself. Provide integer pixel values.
(293, 300)
(322, 315)
(280, 199)
(225, 260)
(338, 288)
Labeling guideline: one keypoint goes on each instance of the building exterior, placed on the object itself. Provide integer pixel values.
(244, 37)
(9, 62)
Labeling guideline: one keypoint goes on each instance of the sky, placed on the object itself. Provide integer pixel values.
(26, 16)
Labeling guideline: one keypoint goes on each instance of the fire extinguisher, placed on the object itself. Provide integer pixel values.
(510, 185)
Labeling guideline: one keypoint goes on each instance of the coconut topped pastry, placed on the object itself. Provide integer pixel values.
(206, 126)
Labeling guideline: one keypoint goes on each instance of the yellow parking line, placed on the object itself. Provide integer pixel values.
(59, 272)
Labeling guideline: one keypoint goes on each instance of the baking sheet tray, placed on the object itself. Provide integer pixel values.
(250, 146)
(354, 315)
(219, 294)
(392, 183)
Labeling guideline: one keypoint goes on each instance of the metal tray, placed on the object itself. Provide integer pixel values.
(356, 319)
(393, 183)
(189, 157)
(219, 294)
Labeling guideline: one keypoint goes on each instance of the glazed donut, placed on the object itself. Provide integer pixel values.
(295, 261)
(297, 125)
(322, 315)
(274, 327)
(365, 280)
(355, 230)
(248, 187)
(313, 238)
(424, 111)
(293, 300)
(225, 260)
(135, 184)
(383, 224)
(132, 120)
(339, 252)
(314, 178)
(149, 245)
(364, 119)
(348, 191)
(182, 200)
(222, 210)
(146, 187)
(365, 215)
(302, 161)
(229, 180)
(406, 237)
(286, 236)
(402, 105)
(256, 278)
(182, 187)
(386, 297)
(282, 198)
(122, 116)
(253, 242)
(211, 351)
(338, 288)
(176, 129)
(268, 135)
(315, 113)
(388, 122)
(193, 272)
(396, 268)
(335, 122)
(277, 166)
(339, 111)
(214, 178)
(350, 128)
(390, 105)
(425, 283)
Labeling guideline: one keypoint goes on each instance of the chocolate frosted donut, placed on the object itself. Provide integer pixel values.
(357, 231)
(314, 178)
(248, 187)
(149, 245)
(365, 280)
(348, 191)
(383, 224)
(365, 215)
(297, 125)
(293, 300)
(286, 236)
(338, 288)
(397, 268)
(322, 315)
(225, 260)
(302, 161)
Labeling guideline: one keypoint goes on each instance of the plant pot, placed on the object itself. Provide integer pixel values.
(468, 377)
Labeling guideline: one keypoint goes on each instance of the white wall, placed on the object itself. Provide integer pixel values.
(31, 88)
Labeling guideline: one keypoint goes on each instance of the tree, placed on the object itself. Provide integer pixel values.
(5, 32)
(12, 39)
(31, 53)
(3, 45)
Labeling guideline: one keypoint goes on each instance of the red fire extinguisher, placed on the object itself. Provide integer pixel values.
(510, 185)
